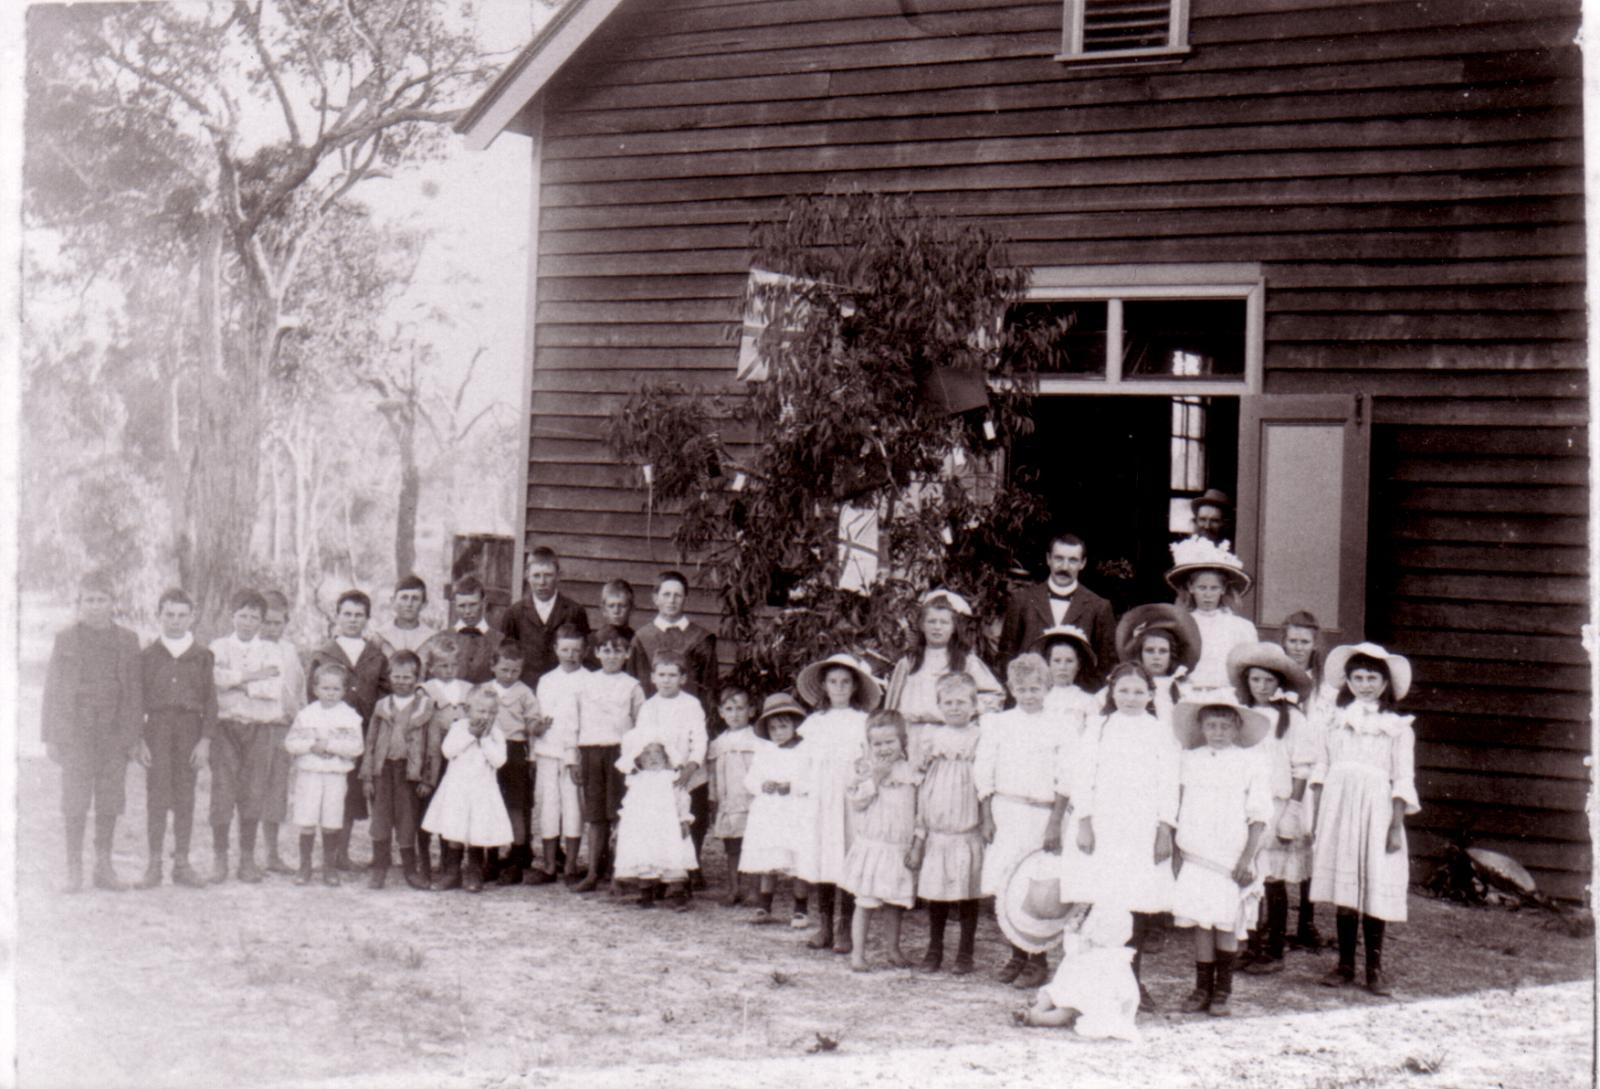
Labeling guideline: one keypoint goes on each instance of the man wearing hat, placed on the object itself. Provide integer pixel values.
(1060, 599)
(1211, 511)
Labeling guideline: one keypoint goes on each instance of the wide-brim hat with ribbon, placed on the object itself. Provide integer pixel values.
(1211, 497)
(1176, 622)
(777, 705)
(1066, 633)
(1253, 724)
(1028, 906)
(949, 599)
(1274, 659)
(1339, 662)
(1194, 554)
(809, 683)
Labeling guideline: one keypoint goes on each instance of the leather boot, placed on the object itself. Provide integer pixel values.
(449, 876)
(152, 874)
(823, 938)
(307, 845)
(1224, 985)
(1205, 982)
(332, 851)
(219, 865)
(408, 864)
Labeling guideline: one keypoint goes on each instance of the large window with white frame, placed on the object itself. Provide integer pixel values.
(1181, 330)
(1124, 29)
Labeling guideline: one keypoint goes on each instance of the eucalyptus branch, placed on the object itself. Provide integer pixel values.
(252, 21)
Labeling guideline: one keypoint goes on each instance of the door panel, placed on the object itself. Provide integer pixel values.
(1302, 517)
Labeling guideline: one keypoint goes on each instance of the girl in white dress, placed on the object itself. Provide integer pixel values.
(1122, 791)
(1302, 641)
(1068, 656)
(653, 842)
(944, 647)
(1367, 782)
(1165, 640)
(877, 870)
(1014, 771)
(1209, 580)
(1265, 678)
(779, 806)
(843, 690)
(1223, 808)
(467, 811)
(947, 848)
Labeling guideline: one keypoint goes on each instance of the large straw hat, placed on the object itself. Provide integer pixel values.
(810, 681)
(1066, 633)
(1268, 656)
(1201, 554)
(1029, 908)
(1186, 719)
(1175, 621)
(1339, 661)
(777, 705)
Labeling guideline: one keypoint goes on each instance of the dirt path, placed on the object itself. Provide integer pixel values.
(272, 985)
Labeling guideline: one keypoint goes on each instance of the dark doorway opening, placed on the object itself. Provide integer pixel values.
(1118, 472)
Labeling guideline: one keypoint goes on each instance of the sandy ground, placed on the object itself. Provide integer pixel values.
(273, 985)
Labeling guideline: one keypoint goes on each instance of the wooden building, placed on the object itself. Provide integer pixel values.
(1327, 255)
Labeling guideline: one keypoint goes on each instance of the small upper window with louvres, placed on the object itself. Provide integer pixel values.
(1124, 29)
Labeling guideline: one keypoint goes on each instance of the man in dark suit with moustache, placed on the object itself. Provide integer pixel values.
(1061, 599)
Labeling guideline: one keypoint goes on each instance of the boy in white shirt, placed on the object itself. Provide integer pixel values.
(405, 630)
(325, 741)
(555, 755)
(275, 808)
(249, 676)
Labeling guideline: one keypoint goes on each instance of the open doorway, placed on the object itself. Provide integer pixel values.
(1118, 472)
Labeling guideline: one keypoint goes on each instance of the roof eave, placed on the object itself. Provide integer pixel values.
(497, 108)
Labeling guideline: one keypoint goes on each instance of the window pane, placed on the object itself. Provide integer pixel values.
(1183, 338)
(1066, 337)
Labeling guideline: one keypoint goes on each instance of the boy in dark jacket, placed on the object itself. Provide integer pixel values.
(180, 716)
(91, 724)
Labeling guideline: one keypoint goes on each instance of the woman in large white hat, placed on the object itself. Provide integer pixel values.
(1222, 817)
(1209, 580)
(841, 689)
(944, 645)
(1366, 780)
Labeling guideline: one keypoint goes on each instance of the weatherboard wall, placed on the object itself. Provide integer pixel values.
(1409, 176)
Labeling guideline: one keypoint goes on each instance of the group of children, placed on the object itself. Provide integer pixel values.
(1178, 786)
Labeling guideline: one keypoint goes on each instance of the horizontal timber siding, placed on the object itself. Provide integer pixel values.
(1408, 175)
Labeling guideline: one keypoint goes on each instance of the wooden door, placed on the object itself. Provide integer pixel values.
(1302, 510)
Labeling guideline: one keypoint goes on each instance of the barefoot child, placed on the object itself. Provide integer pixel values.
(653, 843)
(1123, 795)
(1366, 781)
(1265, 678)
(180, 710)
(1224, 805)
(1093, 991)
(1014, 772)
(608, 706)
(325, 742)
(728, 758)
(947, 848)
(842, 690)
(878, 870)
(467, 811)
(779, 807)
(392, 769)
(555, 756)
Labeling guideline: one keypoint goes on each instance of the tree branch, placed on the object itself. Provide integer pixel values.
(252, 22)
